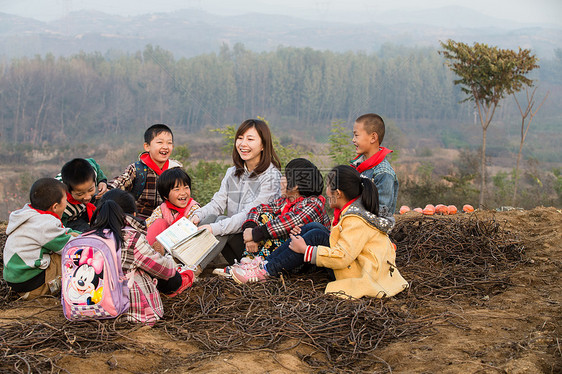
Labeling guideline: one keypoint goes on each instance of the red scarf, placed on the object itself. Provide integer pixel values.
(145, 157)
(90, 208)
(373, 161)
(46, 212)
(288, 205)
(337, 212)
(181, 211)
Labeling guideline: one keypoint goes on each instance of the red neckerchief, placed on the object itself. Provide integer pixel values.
(145, 157)
(181, 211)
(337, 211)
(288, 204)
(90, 208)
(46, 212)
(373, 161)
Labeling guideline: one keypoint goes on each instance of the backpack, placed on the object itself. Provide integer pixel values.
(93, 284)
(141, 171)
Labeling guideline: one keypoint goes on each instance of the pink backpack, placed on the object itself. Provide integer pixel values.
(93, 284)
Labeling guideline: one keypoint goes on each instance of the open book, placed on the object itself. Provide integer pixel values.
(187, 244)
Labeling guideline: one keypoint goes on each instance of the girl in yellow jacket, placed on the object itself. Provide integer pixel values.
(357, 248)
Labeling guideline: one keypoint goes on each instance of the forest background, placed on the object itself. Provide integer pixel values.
(89, 104)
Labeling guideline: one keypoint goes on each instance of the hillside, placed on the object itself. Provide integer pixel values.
(459, 316)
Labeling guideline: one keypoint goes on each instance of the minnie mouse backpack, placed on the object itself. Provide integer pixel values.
(93, 284)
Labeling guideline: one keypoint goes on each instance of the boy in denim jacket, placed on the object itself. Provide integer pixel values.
(371, 162)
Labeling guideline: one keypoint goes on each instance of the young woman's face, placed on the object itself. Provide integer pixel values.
(249, 146)
(180, 194)
(332, 197)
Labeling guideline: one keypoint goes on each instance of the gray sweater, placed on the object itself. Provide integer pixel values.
(237, 195)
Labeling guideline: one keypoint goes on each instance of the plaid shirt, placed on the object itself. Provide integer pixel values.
(144, 265)
(310, 209)
(149, 198)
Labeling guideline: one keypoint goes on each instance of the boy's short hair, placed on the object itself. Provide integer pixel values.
(167, 180)
(155, 130)
(77, 171)
(305, 175)
(45, 192)
(123, 198)
(372, 123)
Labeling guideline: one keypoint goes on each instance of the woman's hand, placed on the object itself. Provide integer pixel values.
(248, 235)
(208, 227)
(297, 244)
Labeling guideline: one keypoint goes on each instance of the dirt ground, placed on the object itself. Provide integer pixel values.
(515, 331)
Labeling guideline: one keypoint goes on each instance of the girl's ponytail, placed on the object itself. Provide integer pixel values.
(348, 180)
(369, 196)
(109, 215)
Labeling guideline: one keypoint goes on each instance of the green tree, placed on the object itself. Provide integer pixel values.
(341, 148)
(487, 75)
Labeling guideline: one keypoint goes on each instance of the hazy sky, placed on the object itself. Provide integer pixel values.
(528, 11)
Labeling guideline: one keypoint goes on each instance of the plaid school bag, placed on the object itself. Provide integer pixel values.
(93, 284)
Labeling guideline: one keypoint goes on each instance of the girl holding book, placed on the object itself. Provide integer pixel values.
(254, 179)
(150, 271)
(174, 187)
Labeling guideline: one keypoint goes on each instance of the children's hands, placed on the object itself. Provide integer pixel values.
(195, 220)
(102, 188)
(159, 248)
(208, 227)
(248, 235)
(252, 247)
(297, 244)
(296, 230)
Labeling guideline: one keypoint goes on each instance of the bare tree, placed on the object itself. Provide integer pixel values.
(528, 112)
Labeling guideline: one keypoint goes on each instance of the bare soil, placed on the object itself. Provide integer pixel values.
(515, 331)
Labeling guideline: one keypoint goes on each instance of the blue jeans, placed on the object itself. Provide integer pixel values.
(283, 258)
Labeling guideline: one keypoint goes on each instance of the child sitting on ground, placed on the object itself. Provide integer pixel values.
(357, 249)
(36, 235)
(81, 176)
(140, 177)
(139, 260)
(174, 187)
(371, 162)
(268, 225)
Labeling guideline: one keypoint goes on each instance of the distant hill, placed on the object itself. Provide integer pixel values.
(188, 33)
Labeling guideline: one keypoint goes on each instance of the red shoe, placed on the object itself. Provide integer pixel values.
(186, 281)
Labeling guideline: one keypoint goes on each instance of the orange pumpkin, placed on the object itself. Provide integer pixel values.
(404, 209)
(467, 208)
(441, 209)
(452, 209)
(429, 210)
(419, 210)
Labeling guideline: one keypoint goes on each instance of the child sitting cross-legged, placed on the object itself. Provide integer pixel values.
(268, 225)
(36, 235)
(174, 187)
(151, 271)
(357, 249)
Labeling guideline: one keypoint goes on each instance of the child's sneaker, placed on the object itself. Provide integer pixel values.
(223, 272)
(187, 276)
(249, 274)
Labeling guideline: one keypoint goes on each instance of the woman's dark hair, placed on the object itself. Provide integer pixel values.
(109, 215)
(348, 180)
(268, 155)
(169, 179)
(305, 175)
